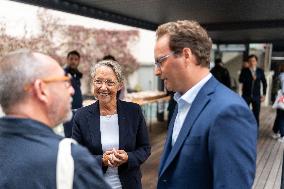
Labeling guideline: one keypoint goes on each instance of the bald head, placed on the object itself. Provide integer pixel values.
(17, 69)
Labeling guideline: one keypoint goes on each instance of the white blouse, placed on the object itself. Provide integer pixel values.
(110, 139)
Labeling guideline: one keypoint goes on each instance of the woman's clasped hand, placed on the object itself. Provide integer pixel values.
(114, 158)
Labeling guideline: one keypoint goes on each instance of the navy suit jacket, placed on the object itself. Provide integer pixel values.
(216, 147)
(28, 154)
(133, 138)
(251, 88)
(76, 84)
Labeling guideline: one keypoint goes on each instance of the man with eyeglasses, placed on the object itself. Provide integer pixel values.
(73, 61)
(36, 96)
(211, 139)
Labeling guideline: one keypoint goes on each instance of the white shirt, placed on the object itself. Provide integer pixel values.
(184, 103)
(110, 139)
(253, 71)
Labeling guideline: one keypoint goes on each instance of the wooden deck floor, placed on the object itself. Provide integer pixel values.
(269, 155)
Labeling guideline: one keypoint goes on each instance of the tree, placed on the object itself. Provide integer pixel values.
(57, 39)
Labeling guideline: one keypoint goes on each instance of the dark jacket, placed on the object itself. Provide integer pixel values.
(76, 84)
(28, 155)
(222, 75)
(133, 138)
(251, 88)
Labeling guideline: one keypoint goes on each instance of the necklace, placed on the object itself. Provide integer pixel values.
(108, 115)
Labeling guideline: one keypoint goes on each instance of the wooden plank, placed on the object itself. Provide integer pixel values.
(264, 167)
(264, 148)
(265, 144)
(277, 183)
(275, 168)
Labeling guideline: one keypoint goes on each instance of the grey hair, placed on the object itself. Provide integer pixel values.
(17, 69)
(116, 68)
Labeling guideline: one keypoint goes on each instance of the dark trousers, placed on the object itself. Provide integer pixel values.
(279, 122)
(255, 102)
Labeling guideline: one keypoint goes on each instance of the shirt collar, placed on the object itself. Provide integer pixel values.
(190, 95)
(253, 69)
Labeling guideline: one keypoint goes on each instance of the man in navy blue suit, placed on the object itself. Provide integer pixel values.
(252, 78)
(211, 140)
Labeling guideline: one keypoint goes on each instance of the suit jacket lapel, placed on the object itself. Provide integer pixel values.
(94, 126)
(168, 143)
(198, 105)
(122, 124)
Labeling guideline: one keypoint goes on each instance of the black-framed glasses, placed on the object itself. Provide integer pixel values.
(160, 60)
(108, 83)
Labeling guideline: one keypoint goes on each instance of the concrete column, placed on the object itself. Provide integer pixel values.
(268, 74)
(267, 57)
(269, 79)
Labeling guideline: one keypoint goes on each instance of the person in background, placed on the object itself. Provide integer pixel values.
(73, 61)
(211, 140)
(251, 79)
(221, 73)
(171, 106)
(36, 96)
(109, 57)
(278, 125)
(245, 65)
(114, 131)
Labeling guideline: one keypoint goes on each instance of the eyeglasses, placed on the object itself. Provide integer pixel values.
(108, 83)
(160, 60)
(66, 79)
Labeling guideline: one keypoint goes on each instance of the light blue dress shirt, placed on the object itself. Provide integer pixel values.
(184, 103)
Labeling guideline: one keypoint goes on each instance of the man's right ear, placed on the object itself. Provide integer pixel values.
(40, 90)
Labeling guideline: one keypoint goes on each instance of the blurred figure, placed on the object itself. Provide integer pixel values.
(35, 95)
(73, 61)
(114, 131)
(278, 125)
(171, 106)
(211, 140)
(109, 57)
(251, 79)
(244, 66)
(221, 73)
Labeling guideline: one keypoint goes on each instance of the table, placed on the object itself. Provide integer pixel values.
(146, 105)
